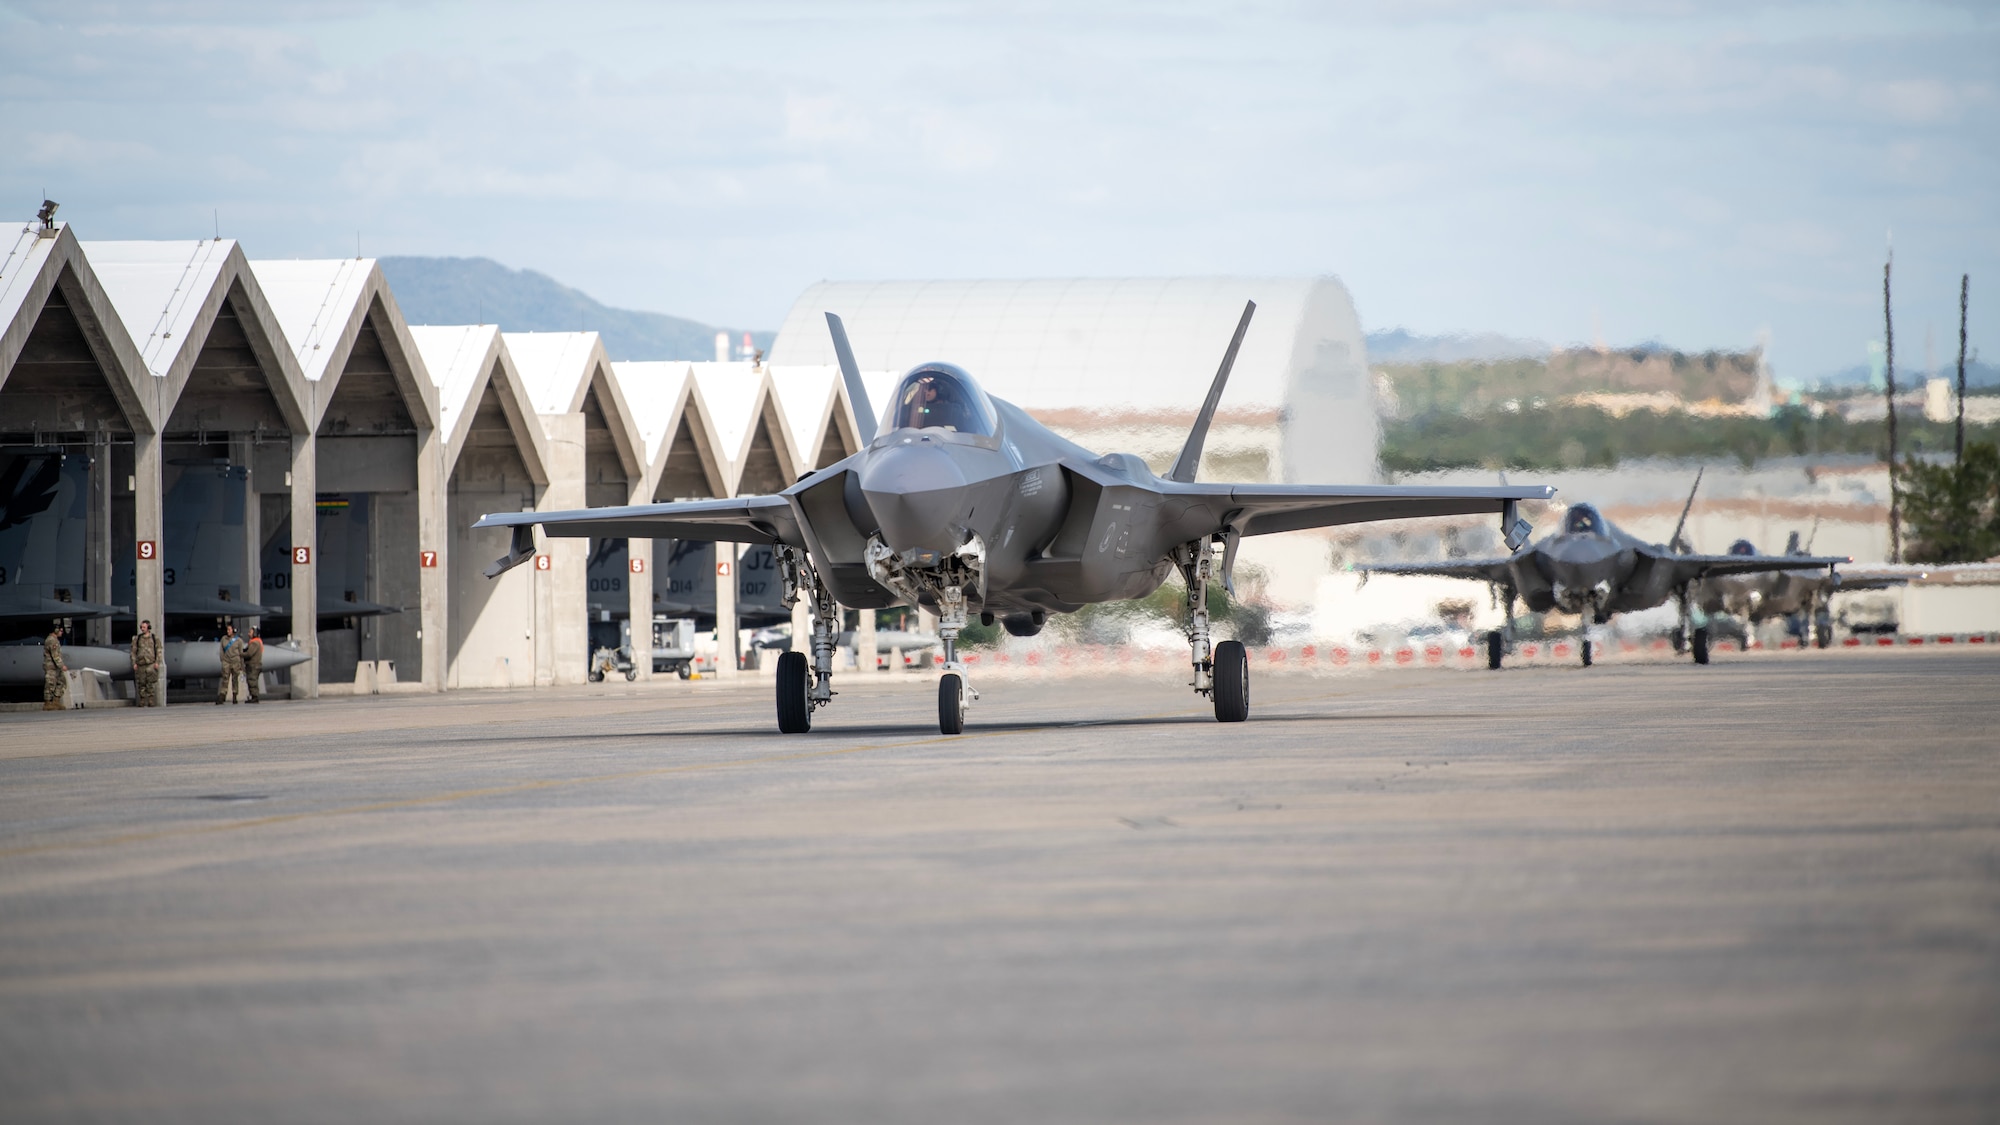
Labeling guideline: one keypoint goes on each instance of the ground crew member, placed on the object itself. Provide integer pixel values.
(253, 662)
(147, 663)
(53, 669)
(226, 689)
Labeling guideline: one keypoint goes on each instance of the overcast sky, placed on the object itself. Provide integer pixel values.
(1685, 172)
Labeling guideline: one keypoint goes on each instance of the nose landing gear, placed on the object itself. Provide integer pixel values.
(953, 690)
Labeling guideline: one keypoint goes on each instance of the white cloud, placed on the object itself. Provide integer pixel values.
(1679, 165)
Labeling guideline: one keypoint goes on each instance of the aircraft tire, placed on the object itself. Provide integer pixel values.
(1680, 640)
(1822, 629)
(1496, 648)
(1700, 646)
(794, 709)
(631, 674)
(1586, 652)
(951, 704)
(684, 671)
(1232, 683)
(596, 676)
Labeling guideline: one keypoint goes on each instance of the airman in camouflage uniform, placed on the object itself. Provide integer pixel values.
(231, 683)
(53, 669)
(147, 663)
(253, 663)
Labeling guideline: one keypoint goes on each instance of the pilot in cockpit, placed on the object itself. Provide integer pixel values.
(1583, 520)
(936, 400)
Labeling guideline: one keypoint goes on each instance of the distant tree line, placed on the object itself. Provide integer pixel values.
(1571, 437)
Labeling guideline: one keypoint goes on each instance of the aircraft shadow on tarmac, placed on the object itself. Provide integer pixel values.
(921, 730)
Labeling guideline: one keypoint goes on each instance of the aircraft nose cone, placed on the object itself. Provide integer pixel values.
(917, 493)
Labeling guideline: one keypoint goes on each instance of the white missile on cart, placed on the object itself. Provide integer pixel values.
(21, 661)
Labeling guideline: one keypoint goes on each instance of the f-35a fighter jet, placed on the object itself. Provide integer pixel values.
(1801, 596)
(1591, 567)
(964, 504)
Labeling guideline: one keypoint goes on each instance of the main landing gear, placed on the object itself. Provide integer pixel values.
(1497, 639)
(803, 689)
(1697, 639)
(1221, 672)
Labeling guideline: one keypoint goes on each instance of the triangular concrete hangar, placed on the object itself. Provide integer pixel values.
(210, 406)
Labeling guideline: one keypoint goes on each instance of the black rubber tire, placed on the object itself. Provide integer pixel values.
(596, 677)
(1680, 640)
(631, 674)
(795, 714)
(1496, 649)
(1700, 646)
(684, 672)
(1586, 652)
(1232, 683)
(1822, 630)
(951, 704)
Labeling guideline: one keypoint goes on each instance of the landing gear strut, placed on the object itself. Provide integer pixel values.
(946, 580)
(1221, 672)
(1697, 638)
(803, 690)
(1496, 639)
(953, 691)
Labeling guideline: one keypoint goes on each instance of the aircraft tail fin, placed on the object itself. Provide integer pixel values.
(850, 372)
(1679, 544)
(1184, 465)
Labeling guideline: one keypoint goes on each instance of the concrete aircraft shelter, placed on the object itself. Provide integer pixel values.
(501, 631)
(230, 390)
(379, 483)
(71, 378)
(584, 413)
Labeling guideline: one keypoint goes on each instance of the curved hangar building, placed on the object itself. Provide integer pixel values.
(1122, 365)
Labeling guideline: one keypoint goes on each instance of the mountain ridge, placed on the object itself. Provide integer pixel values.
(483, 291)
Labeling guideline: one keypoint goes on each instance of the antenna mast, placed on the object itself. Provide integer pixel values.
(1889, 390)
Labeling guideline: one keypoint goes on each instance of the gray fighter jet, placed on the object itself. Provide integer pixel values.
(42, 502)
(1593, 568)
(1801, 597)
(964, 504)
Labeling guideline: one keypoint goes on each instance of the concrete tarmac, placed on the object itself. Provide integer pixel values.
(1766, 890)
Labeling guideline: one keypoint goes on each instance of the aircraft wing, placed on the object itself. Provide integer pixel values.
(1689, 568)
(185, 603)
(1265, 509)
(744, 519)
(340, 607)
(1881, 576)
(33, 607)
(1481, 570)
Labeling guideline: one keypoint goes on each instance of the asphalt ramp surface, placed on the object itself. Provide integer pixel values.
(1766, 890)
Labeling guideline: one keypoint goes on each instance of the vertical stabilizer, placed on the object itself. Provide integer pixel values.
(1679, 544)
(864, 414)
(1184, 465)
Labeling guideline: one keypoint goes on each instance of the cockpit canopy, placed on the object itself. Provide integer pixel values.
(938, 396)
(1742, 547)
(1584, 520)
